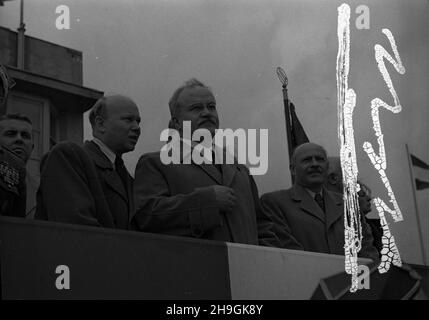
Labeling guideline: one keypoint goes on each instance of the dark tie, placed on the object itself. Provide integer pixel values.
(319, 199)
(121, 170)
(218, 166)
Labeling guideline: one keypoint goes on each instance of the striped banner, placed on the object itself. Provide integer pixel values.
(421, 172)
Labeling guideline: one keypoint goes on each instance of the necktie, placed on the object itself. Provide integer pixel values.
(121, 171)
(218, 166)
(318, 198)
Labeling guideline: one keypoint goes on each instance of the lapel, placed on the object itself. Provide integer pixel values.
(306, 203)
(104, 165)
(229, 171)
(32, 184)
(209, 169)
(334, 208)
(130, 199)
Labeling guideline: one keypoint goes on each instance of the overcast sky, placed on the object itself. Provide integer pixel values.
(145, 49)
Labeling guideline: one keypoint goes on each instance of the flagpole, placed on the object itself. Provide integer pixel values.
(413, 184)
(287, 120)
(21, 39)
(284, 81)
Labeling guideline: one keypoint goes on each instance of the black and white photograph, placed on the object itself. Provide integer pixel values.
(215, 154)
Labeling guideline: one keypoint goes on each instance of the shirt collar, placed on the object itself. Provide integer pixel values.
(187, 152)
(106, 151)
(313, 194)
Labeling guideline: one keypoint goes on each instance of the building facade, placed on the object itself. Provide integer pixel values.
(48, 90)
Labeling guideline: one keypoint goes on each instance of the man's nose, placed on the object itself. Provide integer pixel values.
(136, 127)
(315, 162)
(19, 139)
(205, 111)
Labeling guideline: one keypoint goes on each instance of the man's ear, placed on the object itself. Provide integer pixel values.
(176, 124)
(332, 179)
(99, 124)
(292, 169)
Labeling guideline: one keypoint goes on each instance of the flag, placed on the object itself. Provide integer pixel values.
(6, 83)
(298, 135)
(421, 172)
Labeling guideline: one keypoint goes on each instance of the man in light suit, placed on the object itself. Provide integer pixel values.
(89, 184)
(207, 201)
(308, 216)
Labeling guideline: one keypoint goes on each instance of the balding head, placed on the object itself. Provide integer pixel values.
(196, 103)
(304, 147)
(309, 165)
(102, 105)
(334, 181)
(115, 121)
(174, 103)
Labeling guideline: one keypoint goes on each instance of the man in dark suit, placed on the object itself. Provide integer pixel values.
(308, 216)
(334, 179)
(208, 200)
(365, 198)
(334, 182)
(16, 145)
(90, 185)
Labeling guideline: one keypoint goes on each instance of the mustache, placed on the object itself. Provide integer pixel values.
(208, 119)
(135, 135)
(315, 170)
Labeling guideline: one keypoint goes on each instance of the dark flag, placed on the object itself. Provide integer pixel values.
(294, 131)
(421, 172)
(297, 131)
(6, 83)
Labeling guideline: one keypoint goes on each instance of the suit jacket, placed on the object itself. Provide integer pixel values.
(179, 199)
(302, 225)
(32, 184)
(12, 184)
(377, 233)
(79, 185)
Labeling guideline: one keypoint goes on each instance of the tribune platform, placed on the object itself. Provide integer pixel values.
(114, 264)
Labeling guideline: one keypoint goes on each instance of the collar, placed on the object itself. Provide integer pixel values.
(106, 151)
(187, 152)
(313, 194)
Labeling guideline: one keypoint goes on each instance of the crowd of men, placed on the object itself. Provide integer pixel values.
(89, 184)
